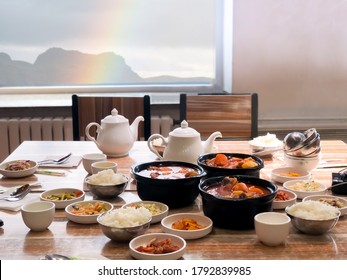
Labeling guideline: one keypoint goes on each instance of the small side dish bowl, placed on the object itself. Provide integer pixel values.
(338, 202)
(107, 184)
(193, 226)
(87, 212)
(18, 168)
(62, 197)
(173, 183)
(303, 188)
(284, 174)
(145, 242)
(283, 199)
(313, 217)
(123, 224)
(241, 167)
(158, 210)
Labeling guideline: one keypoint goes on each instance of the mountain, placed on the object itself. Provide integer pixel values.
(57, 66)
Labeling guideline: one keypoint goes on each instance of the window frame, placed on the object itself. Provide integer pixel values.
(222, 83)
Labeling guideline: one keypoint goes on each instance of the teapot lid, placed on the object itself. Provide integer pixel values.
(184, 131)
(114, 117)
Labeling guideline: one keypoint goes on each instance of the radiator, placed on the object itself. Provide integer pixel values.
(162, 125)
(14, 131)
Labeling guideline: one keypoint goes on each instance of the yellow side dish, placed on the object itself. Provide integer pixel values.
(89, 208)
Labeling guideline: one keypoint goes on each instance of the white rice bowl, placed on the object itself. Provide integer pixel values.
(106, 177)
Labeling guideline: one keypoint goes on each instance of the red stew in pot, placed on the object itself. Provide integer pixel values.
(230, 187)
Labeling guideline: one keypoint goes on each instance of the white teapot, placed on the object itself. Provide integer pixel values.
(115, 137)
(183, 144)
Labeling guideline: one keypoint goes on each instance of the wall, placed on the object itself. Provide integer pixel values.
(294, 54)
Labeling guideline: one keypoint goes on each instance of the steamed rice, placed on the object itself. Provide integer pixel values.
(126, 217)
(313, 210)
(107, 177)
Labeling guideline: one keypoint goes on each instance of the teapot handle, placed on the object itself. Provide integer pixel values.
(88, 128)
(151, 146)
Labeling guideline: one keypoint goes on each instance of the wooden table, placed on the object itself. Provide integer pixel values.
(87, 241)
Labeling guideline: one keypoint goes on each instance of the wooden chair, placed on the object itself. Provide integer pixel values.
(234, 115)
(87, 109)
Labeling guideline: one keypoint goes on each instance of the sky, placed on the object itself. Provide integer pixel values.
(154, 36)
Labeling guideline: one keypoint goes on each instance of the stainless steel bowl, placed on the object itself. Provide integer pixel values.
(123, 234)
(107, 191)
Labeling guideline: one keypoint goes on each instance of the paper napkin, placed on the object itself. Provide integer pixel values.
(73, 161)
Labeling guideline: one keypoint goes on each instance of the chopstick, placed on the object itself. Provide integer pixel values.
(332, 166)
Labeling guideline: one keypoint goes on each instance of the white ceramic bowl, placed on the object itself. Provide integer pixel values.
(303, 188)
(188, 234)
(272, 228)
(330, 199)
(38, 215)
(29, 169)
(78, 212)
(144, 240)
(289, 199)
(308, 163)
(57, 196)
(284, 174)
(159, 210)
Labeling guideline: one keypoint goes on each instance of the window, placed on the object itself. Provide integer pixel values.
(113, 46)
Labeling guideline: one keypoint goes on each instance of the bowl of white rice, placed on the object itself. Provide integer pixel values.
(123, 224)
(107, 183)
(313, 217)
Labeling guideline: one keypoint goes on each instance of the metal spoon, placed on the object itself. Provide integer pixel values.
(56, 257)
(55, 161)
(18, 194)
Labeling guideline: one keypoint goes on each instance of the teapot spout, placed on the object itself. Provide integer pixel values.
(134, 127)
(208, 145)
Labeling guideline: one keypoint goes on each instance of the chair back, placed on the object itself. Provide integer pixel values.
(87, 109)
(234, 115)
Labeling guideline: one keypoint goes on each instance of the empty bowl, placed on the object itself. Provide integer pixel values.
(39, 215)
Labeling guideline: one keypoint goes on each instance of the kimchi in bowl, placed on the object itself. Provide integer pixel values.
(218, 164)
(231, 202)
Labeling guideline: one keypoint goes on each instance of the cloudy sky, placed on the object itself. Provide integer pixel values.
(154, 36)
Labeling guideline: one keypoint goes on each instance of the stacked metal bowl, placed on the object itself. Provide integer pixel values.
(302, 149)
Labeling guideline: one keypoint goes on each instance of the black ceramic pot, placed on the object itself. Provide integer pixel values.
(236, 214)
(220, 171)
(175, 193)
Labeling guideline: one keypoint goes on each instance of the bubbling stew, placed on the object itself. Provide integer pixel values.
(168, 172)
(230, 187)
(221, 160)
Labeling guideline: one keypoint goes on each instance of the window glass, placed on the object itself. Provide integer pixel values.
(108, 42)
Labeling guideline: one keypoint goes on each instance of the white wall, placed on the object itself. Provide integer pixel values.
(294, 54)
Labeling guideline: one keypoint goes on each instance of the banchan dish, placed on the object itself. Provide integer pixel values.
(236, 213)
(213, 171)
(174, 192)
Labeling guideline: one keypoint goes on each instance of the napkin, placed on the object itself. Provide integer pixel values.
(73, 161)
(16, 205)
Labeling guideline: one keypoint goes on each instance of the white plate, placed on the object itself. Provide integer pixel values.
(188, 234)
(278, 174)
(19, 173)
(156, 218)
(144, 239)
(61, 204)
(343, 210)
(85, 219)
